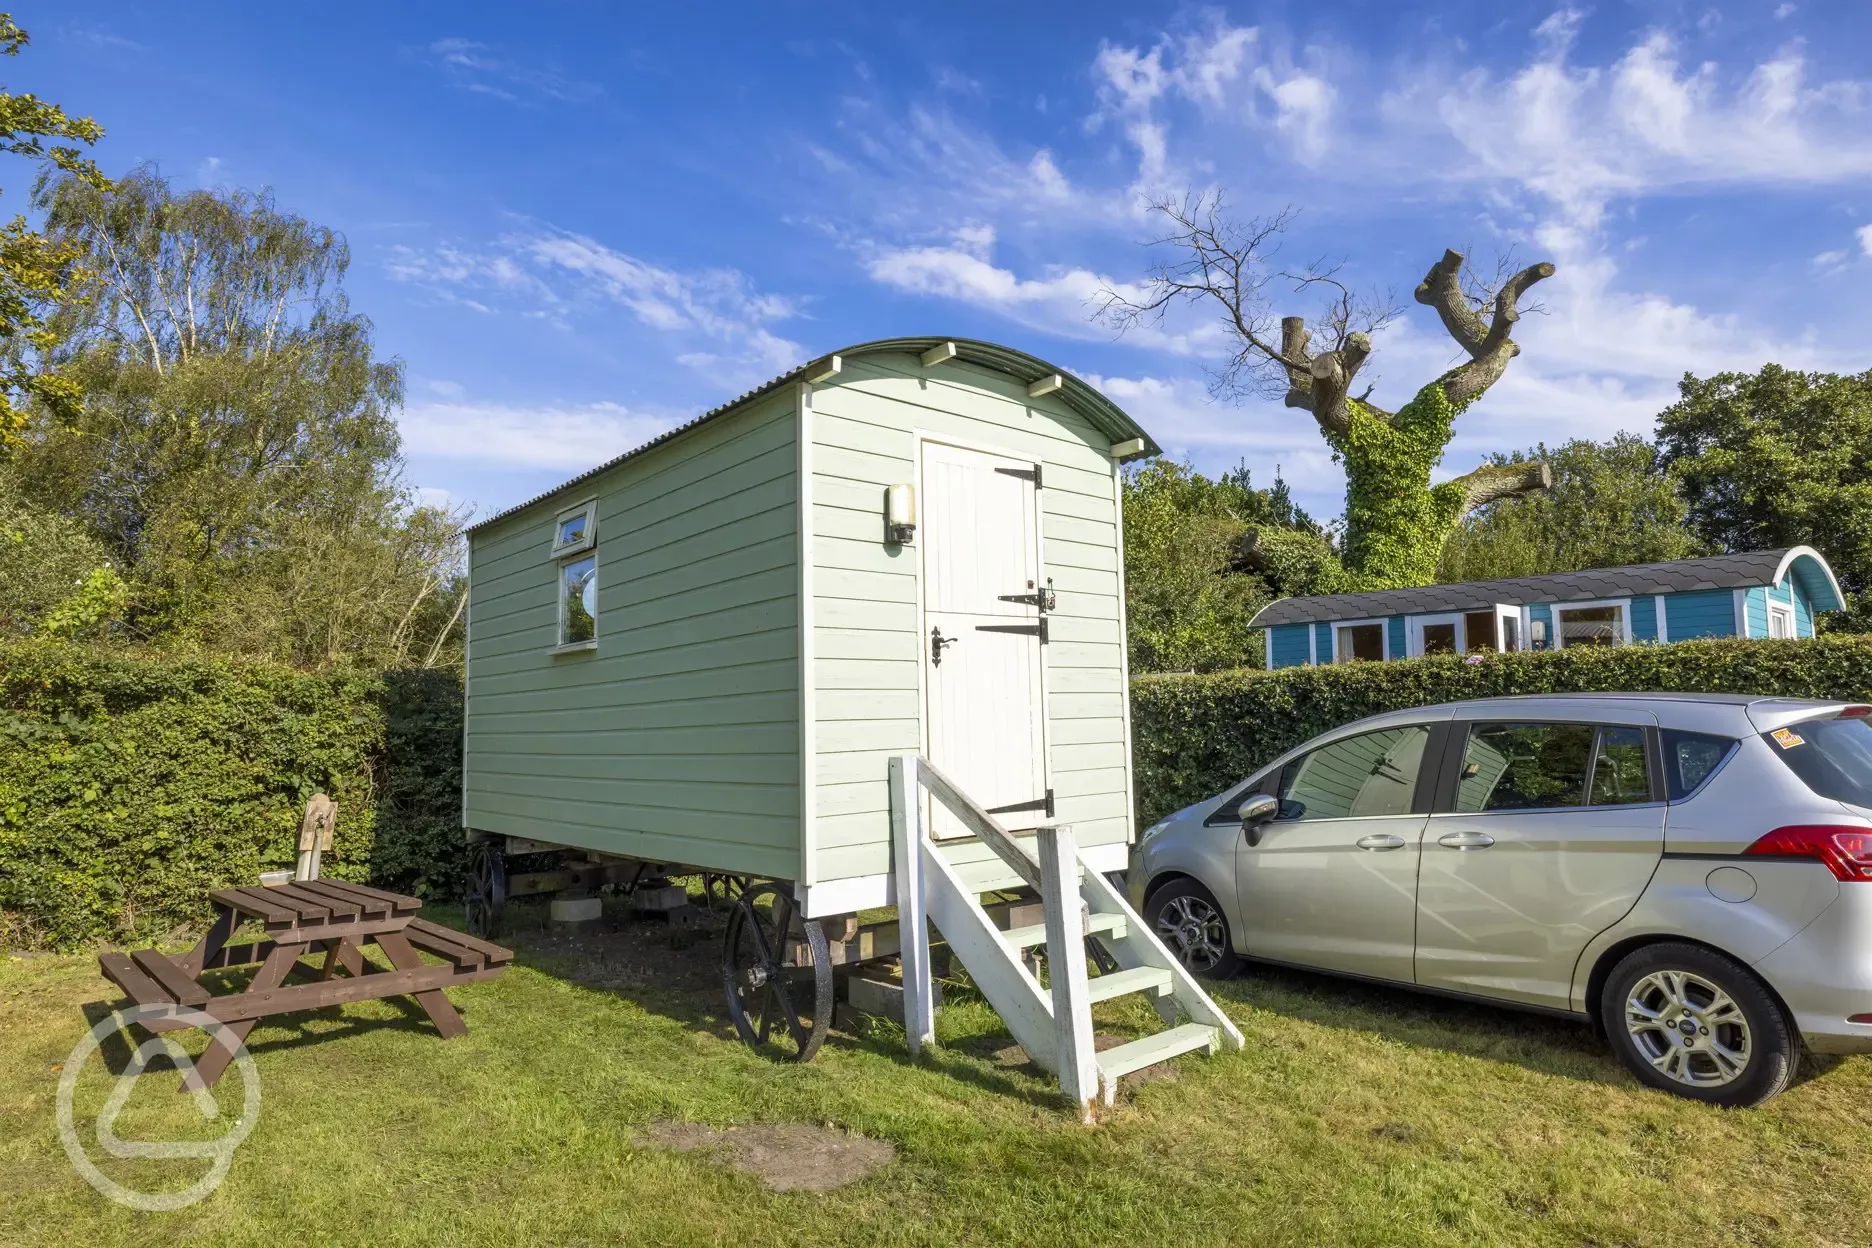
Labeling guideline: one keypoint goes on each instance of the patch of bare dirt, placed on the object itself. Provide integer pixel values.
(785, 1157)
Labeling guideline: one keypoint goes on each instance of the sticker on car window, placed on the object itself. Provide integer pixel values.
(1787, 738)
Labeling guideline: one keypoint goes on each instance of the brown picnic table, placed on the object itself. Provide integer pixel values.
(336, 918)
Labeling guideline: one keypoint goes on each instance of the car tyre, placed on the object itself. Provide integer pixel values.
(1693, 1022)
(1186, 917)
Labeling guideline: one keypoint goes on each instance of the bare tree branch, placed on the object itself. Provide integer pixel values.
(1495, 481)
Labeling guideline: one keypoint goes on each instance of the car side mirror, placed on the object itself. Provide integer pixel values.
(1256, 813)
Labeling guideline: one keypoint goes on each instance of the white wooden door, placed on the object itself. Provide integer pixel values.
(981, 641)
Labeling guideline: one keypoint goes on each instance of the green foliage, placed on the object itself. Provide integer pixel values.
(44, 556)
(130, 786)
(1611, 504)
(1779, 458)
(101, 598)
(1189, 593)
(35, 271)
(1395, 522)
(237, 452)
(1194, 736)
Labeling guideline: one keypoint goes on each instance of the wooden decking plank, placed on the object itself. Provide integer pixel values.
(139, 987)
(398, 902)
(181, 988)
(495, 953)
(369, 907)
(254, 901)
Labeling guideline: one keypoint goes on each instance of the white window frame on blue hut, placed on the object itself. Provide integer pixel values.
(1622, 604)
(1381, 623)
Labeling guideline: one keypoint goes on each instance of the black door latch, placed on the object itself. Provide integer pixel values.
(937, 642)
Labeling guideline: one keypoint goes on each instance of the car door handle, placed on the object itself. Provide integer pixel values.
(1466, 840)
(1383, 840)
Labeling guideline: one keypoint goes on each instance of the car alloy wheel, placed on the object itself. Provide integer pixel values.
(1195, 932)
(1689, 1029)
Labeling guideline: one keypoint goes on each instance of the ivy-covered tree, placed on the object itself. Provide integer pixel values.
(35, 271)
(1396, 521)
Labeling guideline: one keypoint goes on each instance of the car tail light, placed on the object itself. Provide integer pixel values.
(1855, 712)
(1845, 851)
(1859, 1018)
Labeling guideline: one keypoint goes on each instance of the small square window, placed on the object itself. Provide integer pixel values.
(578, 601)
(575, 530)
(1361, 643)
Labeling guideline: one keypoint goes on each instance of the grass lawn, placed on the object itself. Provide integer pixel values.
(1355, 1115)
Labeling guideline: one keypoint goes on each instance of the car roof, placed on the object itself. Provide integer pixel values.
(1707, 699)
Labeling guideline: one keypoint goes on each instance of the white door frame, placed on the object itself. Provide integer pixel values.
(921, 438)
(1504, 613)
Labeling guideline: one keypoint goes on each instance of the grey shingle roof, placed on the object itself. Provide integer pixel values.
(1755, 567)
(1105, 415)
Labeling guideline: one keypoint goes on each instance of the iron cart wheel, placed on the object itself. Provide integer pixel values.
(486, 894)
(780, 1005)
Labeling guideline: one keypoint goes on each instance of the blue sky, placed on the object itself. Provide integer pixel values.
(581, 223)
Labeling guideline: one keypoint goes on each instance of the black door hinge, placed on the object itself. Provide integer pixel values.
(1031, 630)
(1025, 474)
(1042, 804)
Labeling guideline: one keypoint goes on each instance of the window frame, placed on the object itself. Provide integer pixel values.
(560, 551)
(1457, 746)
(1414, 632)
(560, 645)
(1625, 621)
(1783, 611)
(1381, 623)
(1429, 772)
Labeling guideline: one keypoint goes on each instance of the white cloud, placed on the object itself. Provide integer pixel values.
(1583, 136)
(476, 68)
(720, 322)
(1062, 301)
(1864, 233)
(1830, 261)
(564, 438)
(1783, 11)
(1303, 111)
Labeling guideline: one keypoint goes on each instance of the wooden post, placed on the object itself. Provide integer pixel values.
(1066, 964)
(912, 917)
(315, 836)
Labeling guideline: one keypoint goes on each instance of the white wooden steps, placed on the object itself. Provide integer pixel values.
(1053, 1023)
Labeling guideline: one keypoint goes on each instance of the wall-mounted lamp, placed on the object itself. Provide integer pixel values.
(899, 513)
(1537, 633)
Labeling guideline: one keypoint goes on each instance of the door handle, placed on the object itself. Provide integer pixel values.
(1381, 840)
(937, 642)
(1466, 840)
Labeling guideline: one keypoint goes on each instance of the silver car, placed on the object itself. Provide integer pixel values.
(1683, 870)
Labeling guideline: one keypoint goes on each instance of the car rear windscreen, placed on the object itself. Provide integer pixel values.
(1832, 756)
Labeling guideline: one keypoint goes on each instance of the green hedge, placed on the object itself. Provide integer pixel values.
(1193, 736)
(131, 785)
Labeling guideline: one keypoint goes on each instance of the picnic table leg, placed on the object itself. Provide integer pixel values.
(216, 939)
(440, 1010)
(341, 953)
(214, 1060)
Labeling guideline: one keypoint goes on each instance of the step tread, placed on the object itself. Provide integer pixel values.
(1136, 979)
(1035, 933)
(1116, 1062)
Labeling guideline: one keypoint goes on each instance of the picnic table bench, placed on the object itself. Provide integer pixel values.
(327, 915)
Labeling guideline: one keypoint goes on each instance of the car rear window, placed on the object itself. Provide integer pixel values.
(1832, 756)
(1690, 758)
